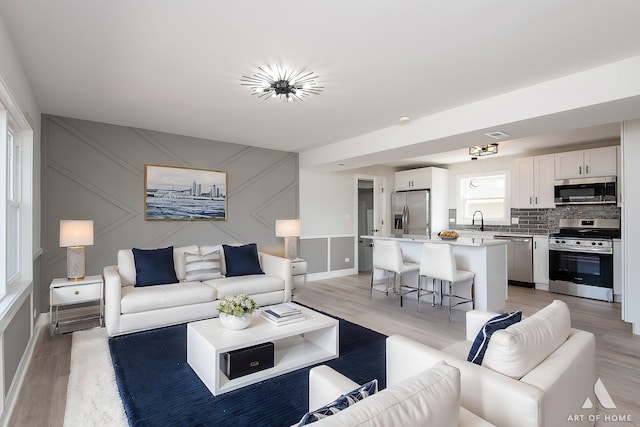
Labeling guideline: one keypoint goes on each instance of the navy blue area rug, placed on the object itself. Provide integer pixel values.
(159, 388)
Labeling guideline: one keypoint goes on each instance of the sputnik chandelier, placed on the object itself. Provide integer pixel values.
(288, 85)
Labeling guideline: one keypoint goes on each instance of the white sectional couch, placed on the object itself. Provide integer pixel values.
(130, 309)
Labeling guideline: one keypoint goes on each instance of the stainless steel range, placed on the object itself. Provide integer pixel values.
(581, 258)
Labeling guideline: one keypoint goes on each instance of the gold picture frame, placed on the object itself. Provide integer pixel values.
(178, 193)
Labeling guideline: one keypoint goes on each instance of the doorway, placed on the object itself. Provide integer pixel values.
(370, 217)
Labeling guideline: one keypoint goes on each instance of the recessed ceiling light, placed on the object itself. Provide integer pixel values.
(498, 135)
(405, 119)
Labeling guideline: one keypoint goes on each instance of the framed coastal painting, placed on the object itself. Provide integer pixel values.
(177, 193)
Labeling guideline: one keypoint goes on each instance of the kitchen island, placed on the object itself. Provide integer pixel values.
(486, 257)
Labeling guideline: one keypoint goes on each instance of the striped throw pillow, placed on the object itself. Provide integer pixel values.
(202, 267)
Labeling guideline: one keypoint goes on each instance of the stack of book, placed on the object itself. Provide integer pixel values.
(282, 314)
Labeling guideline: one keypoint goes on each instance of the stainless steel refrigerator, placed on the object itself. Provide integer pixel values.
(410, 213)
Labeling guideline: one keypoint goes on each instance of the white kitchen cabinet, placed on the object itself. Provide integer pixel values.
(569, 164)
(413, 179)
(541, 262)
(535, 176)
(434, 179)
(593, 162)
(601, 161)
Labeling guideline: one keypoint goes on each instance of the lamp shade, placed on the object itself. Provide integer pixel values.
(287, 227)
(76, 232)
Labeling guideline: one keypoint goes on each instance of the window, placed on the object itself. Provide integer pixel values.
(13, 207)
(485, 192)
(16, 198)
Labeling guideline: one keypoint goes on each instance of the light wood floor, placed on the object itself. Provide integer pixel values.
(43, 395)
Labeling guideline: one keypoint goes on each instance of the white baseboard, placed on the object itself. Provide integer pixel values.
(331, 274)
(14, 390)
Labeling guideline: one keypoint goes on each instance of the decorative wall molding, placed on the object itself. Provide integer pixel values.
(95, 171)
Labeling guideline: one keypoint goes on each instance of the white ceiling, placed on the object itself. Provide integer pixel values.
(520, 146)
(175, 66)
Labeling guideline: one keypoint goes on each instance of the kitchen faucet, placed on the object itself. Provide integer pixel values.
(473, 220)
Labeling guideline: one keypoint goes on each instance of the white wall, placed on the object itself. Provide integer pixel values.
(16, 323)
(630, 226)
(15, 79)
(326, 203)
(327, 200)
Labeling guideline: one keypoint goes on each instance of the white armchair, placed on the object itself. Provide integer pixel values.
(546, 395)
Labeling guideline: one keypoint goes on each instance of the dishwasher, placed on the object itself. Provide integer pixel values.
(519, 260)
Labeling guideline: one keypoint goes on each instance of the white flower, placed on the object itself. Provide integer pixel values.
(237, 305)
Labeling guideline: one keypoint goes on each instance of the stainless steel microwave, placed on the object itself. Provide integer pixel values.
(578, 191)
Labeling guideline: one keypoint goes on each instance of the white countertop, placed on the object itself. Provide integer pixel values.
(460, 241)
(489, 234)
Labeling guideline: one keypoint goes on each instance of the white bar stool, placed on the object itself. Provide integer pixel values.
(438, 262)
(387, 256)
(425, 259)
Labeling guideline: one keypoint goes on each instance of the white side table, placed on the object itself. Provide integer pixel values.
(298, 272)
(65, 292)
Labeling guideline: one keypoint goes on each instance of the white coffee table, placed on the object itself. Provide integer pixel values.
(297, 345)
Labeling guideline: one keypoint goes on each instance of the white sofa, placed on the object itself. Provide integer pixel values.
(429, 396)
(131, 309)
(551, 391)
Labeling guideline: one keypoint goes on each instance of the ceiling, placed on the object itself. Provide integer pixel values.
(521, 146)
(175, 66)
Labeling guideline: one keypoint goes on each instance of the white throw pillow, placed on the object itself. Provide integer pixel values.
(126, 267)
(207, 249)
(202, 267)
(518, 349)
(178, 259)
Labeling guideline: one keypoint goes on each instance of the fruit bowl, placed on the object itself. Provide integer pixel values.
(448, 235)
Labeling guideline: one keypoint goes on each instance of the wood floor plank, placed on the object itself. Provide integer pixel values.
(58, 402)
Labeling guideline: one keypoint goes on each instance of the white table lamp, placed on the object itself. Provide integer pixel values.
(75, 235)
(290, 230)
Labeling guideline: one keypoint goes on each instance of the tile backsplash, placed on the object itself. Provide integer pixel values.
(543, 221)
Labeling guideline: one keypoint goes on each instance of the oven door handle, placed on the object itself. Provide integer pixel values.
(583, 250)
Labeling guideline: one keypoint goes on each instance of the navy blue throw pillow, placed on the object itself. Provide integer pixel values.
(341, 403)
(154, 266)
(242, 260)
(480, 344)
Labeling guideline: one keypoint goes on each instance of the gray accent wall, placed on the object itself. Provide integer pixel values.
(95, 171)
